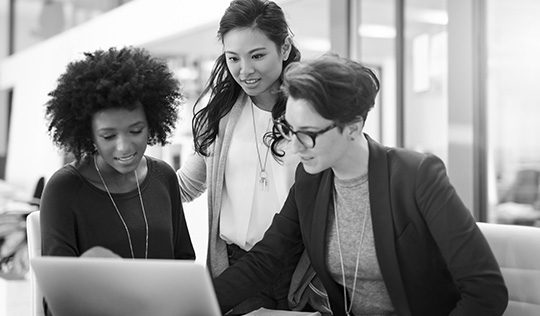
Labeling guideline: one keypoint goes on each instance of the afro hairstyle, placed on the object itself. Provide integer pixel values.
(110, 79)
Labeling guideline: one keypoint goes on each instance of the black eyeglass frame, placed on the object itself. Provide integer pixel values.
(281, 121)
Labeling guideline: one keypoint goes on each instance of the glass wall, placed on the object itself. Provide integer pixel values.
(513, 30)
(374, 43)
(416, 99)
(425, 77)
(421, 95)
(486, 130)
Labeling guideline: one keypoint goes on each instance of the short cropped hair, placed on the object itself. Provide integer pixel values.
(339, 89)
(114, 78)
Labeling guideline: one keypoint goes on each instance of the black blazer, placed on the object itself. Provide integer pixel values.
(433, 258)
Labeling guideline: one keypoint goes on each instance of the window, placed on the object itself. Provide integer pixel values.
(513, 111)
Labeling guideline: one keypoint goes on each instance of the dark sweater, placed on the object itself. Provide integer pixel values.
(76, 216)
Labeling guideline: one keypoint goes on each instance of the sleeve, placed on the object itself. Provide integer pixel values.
(183, 247)
(281, 243)
(58, 235)
(464, 248)
(181, 239)
(192, 177)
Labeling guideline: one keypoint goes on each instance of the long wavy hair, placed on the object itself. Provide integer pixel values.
(263, 15)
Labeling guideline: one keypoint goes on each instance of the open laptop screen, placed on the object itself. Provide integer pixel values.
(130, 287)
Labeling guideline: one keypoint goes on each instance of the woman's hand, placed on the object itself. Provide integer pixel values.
(99, 252)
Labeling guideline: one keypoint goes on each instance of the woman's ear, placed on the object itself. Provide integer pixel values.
(286, 48)
(355, 129)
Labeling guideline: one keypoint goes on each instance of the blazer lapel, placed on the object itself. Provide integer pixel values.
(323, 204)
(320, 214)
(383, 227)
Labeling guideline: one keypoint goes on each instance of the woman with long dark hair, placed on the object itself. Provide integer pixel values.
(245, 185)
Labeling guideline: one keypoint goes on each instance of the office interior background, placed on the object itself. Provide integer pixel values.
(459, 79)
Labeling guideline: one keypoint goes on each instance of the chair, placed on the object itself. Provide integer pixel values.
(40, 185)
(33, 232)
(517, 250)
(525, 189)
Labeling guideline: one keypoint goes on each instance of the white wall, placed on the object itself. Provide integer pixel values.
(32, 73)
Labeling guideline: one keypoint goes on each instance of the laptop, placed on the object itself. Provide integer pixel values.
(125, 287)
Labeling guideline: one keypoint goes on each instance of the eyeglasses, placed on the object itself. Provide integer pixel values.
(306, 138)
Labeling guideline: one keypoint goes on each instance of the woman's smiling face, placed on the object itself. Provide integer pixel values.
(254, 61)
(121, 137)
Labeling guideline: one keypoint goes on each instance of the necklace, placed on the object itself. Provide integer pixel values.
(349, 309)
(120, 215)
(263, 176)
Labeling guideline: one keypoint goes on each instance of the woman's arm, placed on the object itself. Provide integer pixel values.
(192, 177)
(464, 248)
(58, 234)
(281, 243)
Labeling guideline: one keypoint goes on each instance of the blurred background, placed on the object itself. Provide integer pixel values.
(459, 79)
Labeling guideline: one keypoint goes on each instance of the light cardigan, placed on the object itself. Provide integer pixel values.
(199, 174)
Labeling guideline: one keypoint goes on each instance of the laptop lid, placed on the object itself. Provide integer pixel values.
(125, 287)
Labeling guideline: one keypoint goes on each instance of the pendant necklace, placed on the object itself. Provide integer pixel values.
(349, 309)
(263, 176)
(120, 215)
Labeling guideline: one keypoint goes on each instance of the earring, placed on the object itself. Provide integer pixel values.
(351, 138)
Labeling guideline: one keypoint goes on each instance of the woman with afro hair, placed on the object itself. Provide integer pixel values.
(106, 109)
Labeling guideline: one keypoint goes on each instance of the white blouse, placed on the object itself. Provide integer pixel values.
(248, 207)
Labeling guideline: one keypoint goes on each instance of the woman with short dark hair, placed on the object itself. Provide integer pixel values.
(383, 227)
